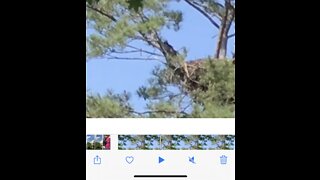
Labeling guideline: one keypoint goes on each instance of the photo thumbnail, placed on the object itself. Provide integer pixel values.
(98, 142)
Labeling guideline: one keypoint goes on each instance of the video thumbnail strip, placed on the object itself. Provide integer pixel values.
(176, 142)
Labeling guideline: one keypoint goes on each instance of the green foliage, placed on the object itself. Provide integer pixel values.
(218, 100)
(97, 145)
(176, 18)
(162, 109)
(89, 146)
(135, 4)
(92, 1)
(108, 106)
(116, 23)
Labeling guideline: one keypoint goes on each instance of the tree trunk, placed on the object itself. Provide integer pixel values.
(223, 45)
(227, 19)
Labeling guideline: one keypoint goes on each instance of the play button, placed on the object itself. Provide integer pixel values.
(160, 159)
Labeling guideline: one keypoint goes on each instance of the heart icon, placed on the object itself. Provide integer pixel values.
(129, 159)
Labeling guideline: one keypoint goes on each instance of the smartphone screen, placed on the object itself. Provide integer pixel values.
(160, 101)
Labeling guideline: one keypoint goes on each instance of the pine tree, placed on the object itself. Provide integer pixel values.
(201, 88)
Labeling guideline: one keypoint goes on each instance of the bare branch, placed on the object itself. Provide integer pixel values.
(148, 52)
(185, 108)
(125, 52)
(170, 96)
(231, 35)
(134, 51)
(203, 13)
(218, 15)
(133, 58)
(159, 111)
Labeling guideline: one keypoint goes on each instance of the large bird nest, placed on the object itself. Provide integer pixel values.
(191, 73)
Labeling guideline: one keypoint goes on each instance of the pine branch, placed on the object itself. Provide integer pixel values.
(103, 13)
(154, 39)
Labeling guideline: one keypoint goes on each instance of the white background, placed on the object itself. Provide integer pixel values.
(174, 126)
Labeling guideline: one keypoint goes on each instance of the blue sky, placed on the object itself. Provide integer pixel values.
(196, 34)
(97, 138)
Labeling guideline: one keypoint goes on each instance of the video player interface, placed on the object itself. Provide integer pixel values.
(161, 155)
